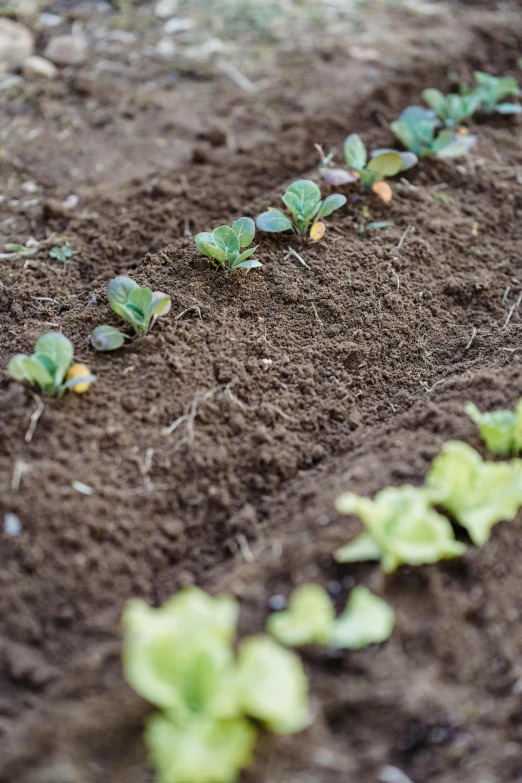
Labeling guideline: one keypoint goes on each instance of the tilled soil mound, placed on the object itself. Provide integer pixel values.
(215, 446)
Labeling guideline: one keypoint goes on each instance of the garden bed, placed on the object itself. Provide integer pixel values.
(286, 386)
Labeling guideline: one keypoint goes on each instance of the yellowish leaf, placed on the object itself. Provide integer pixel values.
(383, 190)
(317, 231)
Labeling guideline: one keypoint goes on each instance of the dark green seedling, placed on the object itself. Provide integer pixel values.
(107, 338)
(417, 128)
(225, 244)
(452, 110)
(370, 172)
(140, 307)
(492, 93)
(303, 200)
(51, 367)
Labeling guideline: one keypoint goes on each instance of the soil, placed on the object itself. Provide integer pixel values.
(213, 449)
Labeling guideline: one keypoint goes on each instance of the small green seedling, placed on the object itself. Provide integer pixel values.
(370, 173)
(303, 200)
(310, 619)
(478, 494)
(400, 528)
(107, 338)
(493, 91)
(51, 367)
(140, 307)
(61, 253)
(417, 128)
(225, 244)
(452, 110)
(182, 658)
(500, 430)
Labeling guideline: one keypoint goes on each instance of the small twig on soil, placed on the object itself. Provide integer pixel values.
(187, 310)
(244, 548)
(396, 277)
(473, 333)
(508, 319)
(20, 467)
(34, 418)
(189, 419)
(402, 240)
(292, 252)
(280, 412)
(506, 293)
(234, 398)
(427, 389)
(242, 81)
(174, 425)
(317, 315)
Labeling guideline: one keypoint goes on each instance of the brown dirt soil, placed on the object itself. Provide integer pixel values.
(295, 383)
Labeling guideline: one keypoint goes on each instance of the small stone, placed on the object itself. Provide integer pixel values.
(50, 20)
(277, 602)
(12, 525)
(389, 774)
(166, 8)
(39, 68)
(16, 43)
(177, 25)
(67, 50)
(71, 201)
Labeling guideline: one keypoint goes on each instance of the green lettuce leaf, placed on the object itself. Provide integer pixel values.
(478, 494)
(180, 656)
(203, 751)
(272, 685)
(308, 619)
(367, 619)
(400, 528)
(500, 430)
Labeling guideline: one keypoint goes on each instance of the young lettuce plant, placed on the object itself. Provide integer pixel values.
(501, 431)
(303, 200)
(478, 494)
(225, 244)
(181, 658)
(310, 619)
(492, 92)
(400, 528)
(452, 110)
(370, 173)
(51, 366)
(140, 307)
(417, 128)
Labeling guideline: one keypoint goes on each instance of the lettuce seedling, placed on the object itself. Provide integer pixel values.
(367, 619)
(272, 685)
(400, 528)
(107, 338)
(416, 129)
(181, 658)
(51, 366)
(383, 163)
(492, 93)
(478, 494)
(310, 619)
(303, 200)
(204, 751)
(140, 307)
(225, 243)
(500, 430)
(452, 110)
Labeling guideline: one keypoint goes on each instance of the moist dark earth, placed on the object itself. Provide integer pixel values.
(214, 447)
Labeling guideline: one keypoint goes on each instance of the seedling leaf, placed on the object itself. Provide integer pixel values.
(119, 290)
(478, 494)
(355, 153)
(500, 430)
(330, 204)
(308, 619)
(366, 620)
(272, 685)
(273, 221)
(387, 164)
(337, 177)
(107, 338)
(245, 229)
(59, 350)
(403, 527)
